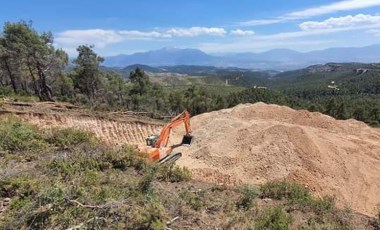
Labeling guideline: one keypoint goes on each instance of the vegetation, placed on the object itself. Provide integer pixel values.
(274, 219)
(19, 137)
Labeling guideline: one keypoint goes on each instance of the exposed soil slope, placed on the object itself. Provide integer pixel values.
(255, 143)
(112, 128)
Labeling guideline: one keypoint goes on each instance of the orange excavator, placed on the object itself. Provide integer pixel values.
(157, 145)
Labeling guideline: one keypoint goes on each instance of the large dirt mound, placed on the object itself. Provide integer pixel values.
(255, 143)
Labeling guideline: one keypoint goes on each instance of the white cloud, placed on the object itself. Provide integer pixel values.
(260, 22)
(97, 37)
(239, 32)
(196, 31)
(375, 32)
(334, 7)
(135, 34)
(316, 11)
(70, 39)
(354, 22)
(101, 38)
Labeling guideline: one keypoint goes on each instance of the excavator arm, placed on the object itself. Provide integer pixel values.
(157, 146)
(184, 118)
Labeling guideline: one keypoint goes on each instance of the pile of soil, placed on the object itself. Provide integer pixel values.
(256, 143)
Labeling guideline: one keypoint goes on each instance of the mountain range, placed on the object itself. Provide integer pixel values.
(276, 59)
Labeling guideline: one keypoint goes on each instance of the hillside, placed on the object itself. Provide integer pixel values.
(60, 177)
(265, 143)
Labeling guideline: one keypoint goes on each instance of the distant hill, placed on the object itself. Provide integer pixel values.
(162, 57)
(146, 68)
(336, 78)
(194, 71)
(277, 59)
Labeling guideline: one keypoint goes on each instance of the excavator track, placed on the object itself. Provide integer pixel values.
(171, 158)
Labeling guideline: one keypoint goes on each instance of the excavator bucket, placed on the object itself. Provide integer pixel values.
(187, 140)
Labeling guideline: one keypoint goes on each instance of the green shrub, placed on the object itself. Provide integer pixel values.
(52, 195)
(274, 219)
(242, 219)
(125, 158)
(248, 196)
(150, 216)
(323, 205)
(22, 186)
(72, 166)
(284, 190)
(145, 183)
(173, 173)
(18, 136)
(67, 139)
(194, 199)
(341, 220)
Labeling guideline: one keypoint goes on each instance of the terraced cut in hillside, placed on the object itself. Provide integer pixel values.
(256, 143)
(118, 129)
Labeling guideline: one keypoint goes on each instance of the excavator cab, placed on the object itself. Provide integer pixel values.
(187, 140)
(151, 140)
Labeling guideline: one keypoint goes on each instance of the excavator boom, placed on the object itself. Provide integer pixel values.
(184, 118)
(159, 150)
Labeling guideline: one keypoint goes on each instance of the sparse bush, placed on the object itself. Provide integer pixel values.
(194, 199)
(18, 136)
(248, 196)
(67, 139)
(71, 166)
(51, 195)
(241, 219)
(18, 186)
(145, 184)
(283, 190)
(173, 173)
(330, 221)
(273, 219)
(125, 158)
(150, 216)
(323, 205)
(97, 158)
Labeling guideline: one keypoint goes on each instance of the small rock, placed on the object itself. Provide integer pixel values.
(7, 199)
(266, 200)
(5, 204)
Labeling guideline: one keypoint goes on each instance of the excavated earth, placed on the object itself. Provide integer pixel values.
(250, 143)
(112, 128)
(256, 143)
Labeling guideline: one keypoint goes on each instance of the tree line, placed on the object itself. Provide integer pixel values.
(30, 65)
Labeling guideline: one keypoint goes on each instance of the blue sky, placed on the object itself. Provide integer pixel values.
(214, 26)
